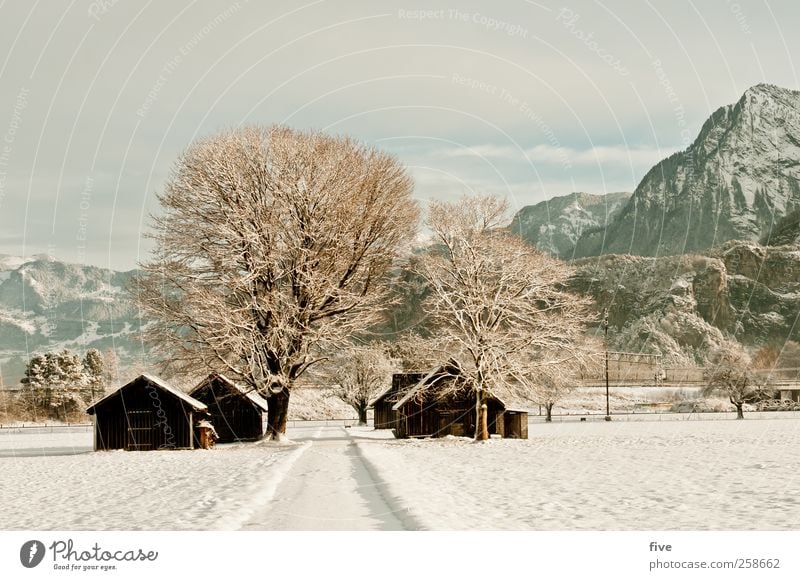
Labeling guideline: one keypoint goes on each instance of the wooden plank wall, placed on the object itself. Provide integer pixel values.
(143, 417)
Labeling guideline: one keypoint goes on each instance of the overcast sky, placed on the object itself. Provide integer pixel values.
(527, 99)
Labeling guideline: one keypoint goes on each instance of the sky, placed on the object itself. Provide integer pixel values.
(524, 99)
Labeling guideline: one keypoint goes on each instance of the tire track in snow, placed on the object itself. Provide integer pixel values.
(264, 493)
(331, 487)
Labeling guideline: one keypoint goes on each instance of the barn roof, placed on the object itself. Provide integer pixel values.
(390, 390)
(157, 382)
(237, 388)
(377, 399)
(452, 369)
(449, 369)
(380, 396)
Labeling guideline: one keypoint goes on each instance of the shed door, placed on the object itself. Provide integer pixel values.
(140, 430)
(512, 426)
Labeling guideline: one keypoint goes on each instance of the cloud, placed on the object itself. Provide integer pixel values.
(616, 155)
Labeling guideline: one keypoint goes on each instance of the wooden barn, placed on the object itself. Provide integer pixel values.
(425, 412)
(237, 413)
(147, 413)
(385, 416)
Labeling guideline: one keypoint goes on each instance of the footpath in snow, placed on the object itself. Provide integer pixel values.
(331, 487)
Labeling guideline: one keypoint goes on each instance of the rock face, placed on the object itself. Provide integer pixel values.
(48, 305)
(787, 230)
(682, 306)
(736, 181)
(555, 225)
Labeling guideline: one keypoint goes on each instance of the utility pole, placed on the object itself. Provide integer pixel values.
(605, 331)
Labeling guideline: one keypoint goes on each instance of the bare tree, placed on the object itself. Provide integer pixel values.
(730, 371)
(273, 246)
(550, 383)
(359, 373)
(494, 299)
(110, 368)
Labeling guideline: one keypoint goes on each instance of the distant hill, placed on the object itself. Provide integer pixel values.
(555, 225)
(46, 304)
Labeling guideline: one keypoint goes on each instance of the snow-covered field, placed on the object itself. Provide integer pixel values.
(636, 475)
(72, 488)
(676, 475)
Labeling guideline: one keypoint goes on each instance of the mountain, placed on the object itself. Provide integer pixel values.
(682, 306)
(46, 305)
(555, 225)
(786, 231)
(736, 181)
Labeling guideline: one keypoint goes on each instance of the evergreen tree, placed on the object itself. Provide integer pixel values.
(94, 371)
(55, 385)
(67, 382)
(34, 397)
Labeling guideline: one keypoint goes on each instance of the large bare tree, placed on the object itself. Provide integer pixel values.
(273, 246)
(495, 301)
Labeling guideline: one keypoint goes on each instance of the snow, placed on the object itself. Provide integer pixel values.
(168, 490)
(13, 262)
(330, 487)
(772, 318)
(694, 475)
(619, 475)
(105, 293)
(317, 403)
(17, 318)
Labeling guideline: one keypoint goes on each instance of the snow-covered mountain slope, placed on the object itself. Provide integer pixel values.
(555, 225)
(738, 178)
(46, 304)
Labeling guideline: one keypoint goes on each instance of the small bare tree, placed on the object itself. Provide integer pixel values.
(494, 299)
(359, 373)
(730, 371)
(273, 246)
(551, 382)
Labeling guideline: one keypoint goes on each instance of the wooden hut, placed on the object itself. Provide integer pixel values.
(237, 413)
(385, 416)
(513, 424)
(147, 413)
(435, 407)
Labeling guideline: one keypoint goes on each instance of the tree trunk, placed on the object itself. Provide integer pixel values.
(277, 412)
(481, 425)
(362, 415)
(548, 409)
(739, 412)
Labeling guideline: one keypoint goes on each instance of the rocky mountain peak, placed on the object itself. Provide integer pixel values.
(739, 177)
